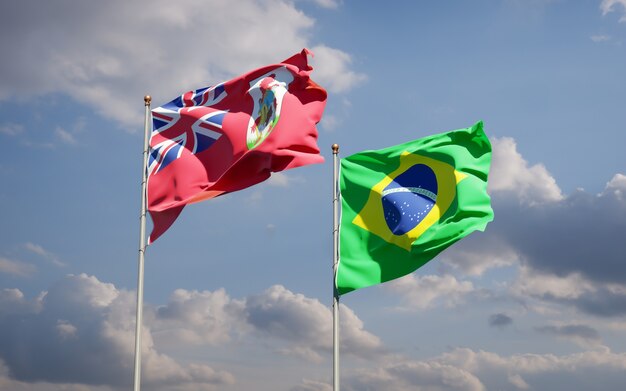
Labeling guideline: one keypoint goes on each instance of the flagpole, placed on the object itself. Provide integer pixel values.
(335, 148)
(142, 247)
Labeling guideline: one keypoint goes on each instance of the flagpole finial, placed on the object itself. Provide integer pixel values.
(335, 148)
(147, 99)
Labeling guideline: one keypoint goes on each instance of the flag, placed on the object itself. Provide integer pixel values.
(224, 138)
(403, 205)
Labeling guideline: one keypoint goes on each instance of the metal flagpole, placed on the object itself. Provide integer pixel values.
(335, 262)
(142, 246)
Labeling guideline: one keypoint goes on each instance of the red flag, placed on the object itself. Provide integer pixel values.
(230, 136)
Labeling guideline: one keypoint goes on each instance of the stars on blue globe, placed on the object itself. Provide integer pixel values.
(409, 198)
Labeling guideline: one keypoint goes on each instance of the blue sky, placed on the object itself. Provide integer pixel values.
(238, 291)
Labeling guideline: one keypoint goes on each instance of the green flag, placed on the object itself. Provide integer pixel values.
(403, 205)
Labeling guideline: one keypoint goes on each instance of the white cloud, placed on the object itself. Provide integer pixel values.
(330, 122)
(332, 69)
(42, 252)
(13, 302)
(80, 315)
(65, 136)
(463, 369)
(302, 325)
(193, 317)
(254, 198)
(533, 283)
(421, 375)
(517, 381)
(66, 329)
(11, 129)
(600, 38)
(580, 334)
(307, 324)
(511, 173)
(608, 6)
(302, 352)
(541, 235)
(109, 55)
(35, 248)
(58, 332)
(16, 268)
(495, 370)
(332, 4)
(537, 233)
(9, 384)
(617, 187)
(553, 291)
(478, 253)
(312, 385)
(426, 291)
(280, 179)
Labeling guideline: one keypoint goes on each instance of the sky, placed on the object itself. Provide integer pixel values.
(238, 292)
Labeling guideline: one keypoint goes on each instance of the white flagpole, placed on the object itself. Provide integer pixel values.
(142, 246)
(335, 148)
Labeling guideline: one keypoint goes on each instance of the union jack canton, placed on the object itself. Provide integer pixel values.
(174, 130)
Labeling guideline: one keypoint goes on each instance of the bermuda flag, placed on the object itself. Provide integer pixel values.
(232, 135)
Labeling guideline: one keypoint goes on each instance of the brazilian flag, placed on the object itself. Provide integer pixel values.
(403, 205)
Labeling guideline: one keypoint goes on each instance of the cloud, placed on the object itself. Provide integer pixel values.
(331, 4)
(47, 255)
(307, 325)
(300, 326)
(532, 234)
(422, 375)
(51, 339)
(536, 235)
(531, 283)
(332, 69)
(312, 385)
(330, 122)
(468, 370)
(478, 253)
(603, 301)
(65, 136)
(280, 179)
(578, 236)
(7, 383)
(426, 291)
(616, 186)
(254, 197)
(13, 302)
(16, 268)
(11, 129)
(510, 173)
(581, 334)
(192, 317)
(517, 381)
(463, 369)
(533, 230)
(600, 38)
(500, 320)
(108, 56)
(608, 6)
(65, 329)
(55, 341)
(573, 290)
(541, 371)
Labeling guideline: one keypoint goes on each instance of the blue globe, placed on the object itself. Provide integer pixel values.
(409, 198)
